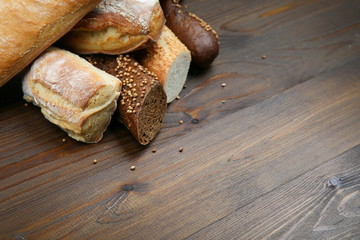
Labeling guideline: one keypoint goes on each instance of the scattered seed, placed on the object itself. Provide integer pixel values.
(94, 161)
(177, 97)
(223, 84)
(223, 101)
(181, 149)
(132, 168)
(154, 150)
(263, 56)
(25, 105)
(181, 121)
(64, 140)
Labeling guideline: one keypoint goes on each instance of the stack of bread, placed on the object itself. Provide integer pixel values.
(89, 59)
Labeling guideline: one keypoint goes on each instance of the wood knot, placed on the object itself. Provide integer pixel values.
(333, 182)
(128, 188)
(19, 237)
(195, 121)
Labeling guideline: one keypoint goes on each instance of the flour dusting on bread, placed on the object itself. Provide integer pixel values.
(138, 11)
(72, 93)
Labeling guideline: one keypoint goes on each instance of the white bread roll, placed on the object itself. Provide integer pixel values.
(117, 26)
(28, 27)
(72, 93)
(170, 60)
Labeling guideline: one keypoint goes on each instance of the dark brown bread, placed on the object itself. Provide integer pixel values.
(142, 102)
(193, 32)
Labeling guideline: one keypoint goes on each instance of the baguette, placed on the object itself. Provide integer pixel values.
(116, 27)
(170, 60)
(29, 27)
(72, 93)
(142, 102)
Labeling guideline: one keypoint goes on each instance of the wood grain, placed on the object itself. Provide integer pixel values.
(256, 166)
(298, 47)
(308, 207)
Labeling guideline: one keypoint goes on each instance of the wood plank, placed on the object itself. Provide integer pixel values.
(308, 207)
(279, 123)
(218, 172)
(309, 38)
(298, 47)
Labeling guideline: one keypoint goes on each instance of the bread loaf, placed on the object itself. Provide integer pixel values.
(116, 27)
(198, 36)
(142, 102)
(72, 93)
(29, 27)
(170, 60)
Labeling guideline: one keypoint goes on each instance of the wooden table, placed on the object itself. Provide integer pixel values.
(274, 154)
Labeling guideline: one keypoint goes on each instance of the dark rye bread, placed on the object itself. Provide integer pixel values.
(142, 101)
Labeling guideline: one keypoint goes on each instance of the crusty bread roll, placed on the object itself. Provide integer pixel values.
(142, 102)
(116, 27)
(72, 93)
(29, 27)
(170, 60)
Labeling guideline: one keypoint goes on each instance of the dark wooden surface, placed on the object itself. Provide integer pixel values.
(279, 159)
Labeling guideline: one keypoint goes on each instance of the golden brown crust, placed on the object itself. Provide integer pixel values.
(99, 21)
(169, 59)
(72, 93)
(27, 29)
(160, 56)
(142, 102)
(117, 27)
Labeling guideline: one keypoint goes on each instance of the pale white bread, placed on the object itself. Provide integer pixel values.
(28, 27)
(170, 60)
(115, 27)
(72, 93)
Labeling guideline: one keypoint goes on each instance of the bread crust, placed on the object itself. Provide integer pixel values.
(170, 60)
(27, 28)
(142, 102)
(116, 27)
(72, 93)
(199, 37)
